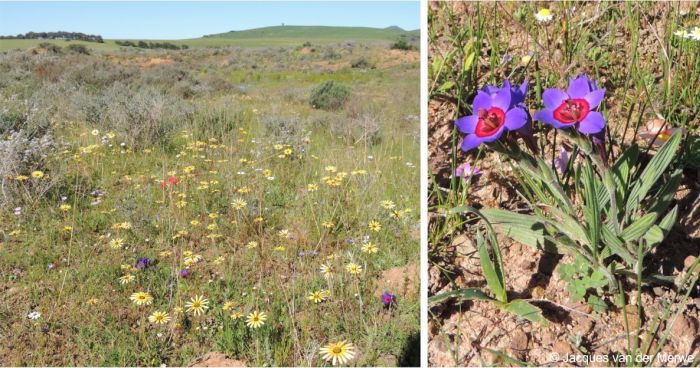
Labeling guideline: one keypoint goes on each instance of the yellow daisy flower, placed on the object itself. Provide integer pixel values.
(256, 319)
(353, 268)
(141, 298)
(159, 318)
(197, 305)
(369, 248)
(338, 352)
(126, 279)
(317, 296)
(374, 225)
(327, 270)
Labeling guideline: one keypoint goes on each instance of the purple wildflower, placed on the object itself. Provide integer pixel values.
(142, 263)
(388, 299)
(495, 110)
(184, 273)
(562, 161)
(466, 171)
(575, 107)
(301, 254)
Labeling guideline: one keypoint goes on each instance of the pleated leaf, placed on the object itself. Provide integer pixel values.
(462, 294)
(651, 174)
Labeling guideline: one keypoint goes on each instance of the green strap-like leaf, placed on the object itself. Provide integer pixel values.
(525, 229)
(591, 210)
(492, 269)
(656, 234)
(463, 294)
(621, 170)
(664, 196)
(526, 310)
(651, 174)
(567, 225)
(669, 220)
(617, 245)
(638, 228)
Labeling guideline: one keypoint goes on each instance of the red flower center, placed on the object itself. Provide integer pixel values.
(489, 121)
(572, 111)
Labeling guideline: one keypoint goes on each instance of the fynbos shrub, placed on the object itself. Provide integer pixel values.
(329, 95)
(21, 155)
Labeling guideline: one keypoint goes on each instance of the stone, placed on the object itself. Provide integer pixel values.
(518, 344)
(215, 359)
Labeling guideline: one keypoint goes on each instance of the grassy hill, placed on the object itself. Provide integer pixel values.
(258, 37)
(319, 33)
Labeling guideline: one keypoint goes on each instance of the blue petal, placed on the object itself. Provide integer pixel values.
(467, 124)
(553, 98)
(470, 142)
(515, 118)
(593, 123)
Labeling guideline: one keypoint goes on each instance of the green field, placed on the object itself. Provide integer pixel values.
(259, 37)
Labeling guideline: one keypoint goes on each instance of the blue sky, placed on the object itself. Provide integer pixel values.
(177, 20)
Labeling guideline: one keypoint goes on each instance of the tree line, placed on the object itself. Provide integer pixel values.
(60, 35)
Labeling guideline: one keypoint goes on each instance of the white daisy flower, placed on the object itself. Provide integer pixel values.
(544, 15)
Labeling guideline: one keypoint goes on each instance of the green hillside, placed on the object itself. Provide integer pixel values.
(320, 33)
(258, 37)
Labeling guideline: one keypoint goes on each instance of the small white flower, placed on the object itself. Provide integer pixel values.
(694, 34)
(34, 315)
(270, 178)
(241, 173)
(682, 33)
(544, 15)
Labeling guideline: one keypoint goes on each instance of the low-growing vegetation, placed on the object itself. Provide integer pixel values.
(157, 206)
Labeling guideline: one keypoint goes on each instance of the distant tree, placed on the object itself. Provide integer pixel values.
(60, 35)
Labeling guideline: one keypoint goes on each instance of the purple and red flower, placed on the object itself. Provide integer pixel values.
(143, 262)
(388, 299)
(575, 107)
(495, 110)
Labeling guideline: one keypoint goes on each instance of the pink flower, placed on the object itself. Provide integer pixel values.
(466, 171)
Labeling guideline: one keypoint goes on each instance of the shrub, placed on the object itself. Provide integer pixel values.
(401, 45)
(289, 130)
(362, 63)
(54, 49)
(78, 49)
(361, 125)
(145, 116)
(23, 153)
(329, 95)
